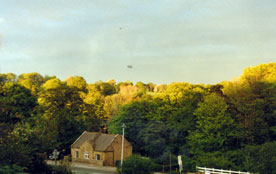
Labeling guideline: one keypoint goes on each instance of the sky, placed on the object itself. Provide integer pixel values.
(195, 41)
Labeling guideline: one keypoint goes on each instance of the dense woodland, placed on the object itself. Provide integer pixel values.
(230, 125)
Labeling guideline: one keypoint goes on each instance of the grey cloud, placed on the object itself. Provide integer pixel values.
(87, 36)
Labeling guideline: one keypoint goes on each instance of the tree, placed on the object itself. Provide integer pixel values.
(107, 89)
(151, 87)
(112, 82)
(95, 98)
(62, 114)
(135, 116)
(122, 84)
(160, 88)
(261, 158)
(53, 83)
(9, 77)
(260, 73)
(77, 82)
(252, 99)
(142, 87)
(178, 94)
(154, 139)
(216, 131)
(31, 81)
(16, 103)
(179, 102)
(17, 109)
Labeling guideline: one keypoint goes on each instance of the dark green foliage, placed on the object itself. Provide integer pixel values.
(60, 169)
(14, 169)
(155, 128)
(64, 116)
(136, 164)
(136, 118)
(261, 158)
(216, 130)
(221, 160)
(106, 89)
(16, 103)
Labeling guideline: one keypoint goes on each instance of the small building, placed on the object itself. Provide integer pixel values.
(99, 148)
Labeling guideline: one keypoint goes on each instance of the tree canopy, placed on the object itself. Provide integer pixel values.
(230, 125)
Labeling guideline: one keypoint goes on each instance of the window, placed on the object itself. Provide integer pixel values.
(98, 157)
(77, 154)
(86, 155)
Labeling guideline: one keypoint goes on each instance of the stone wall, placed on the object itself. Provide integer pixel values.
(87, 147)
(116, 146)
(95, 162)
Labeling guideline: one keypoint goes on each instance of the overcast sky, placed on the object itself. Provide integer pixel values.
(195, 41)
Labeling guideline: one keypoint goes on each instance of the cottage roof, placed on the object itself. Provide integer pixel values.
(99, 141)
(103, 141)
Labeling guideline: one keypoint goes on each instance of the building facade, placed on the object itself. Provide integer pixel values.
(99, 148)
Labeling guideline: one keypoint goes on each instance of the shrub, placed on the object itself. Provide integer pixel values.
(62, 168)
(136, 164)
(11, 169)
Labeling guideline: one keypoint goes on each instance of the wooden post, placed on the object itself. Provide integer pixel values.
(114, 163)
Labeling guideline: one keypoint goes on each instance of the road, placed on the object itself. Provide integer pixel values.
(82, 168)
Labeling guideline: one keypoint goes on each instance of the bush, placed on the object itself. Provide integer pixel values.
(14, 169)
(136, 164)
(62, 168)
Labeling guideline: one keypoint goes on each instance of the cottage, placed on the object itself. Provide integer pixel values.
(99, 148)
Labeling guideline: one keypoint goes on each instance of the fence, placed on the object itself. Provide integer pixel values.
(220, 171)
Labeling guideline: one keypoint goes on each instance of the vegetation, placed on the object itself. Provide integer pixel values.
(11, 169)
(230, 125)
(136, 164)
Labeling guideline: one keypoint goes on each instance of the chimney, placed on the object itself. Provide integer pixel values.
(105, 129)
